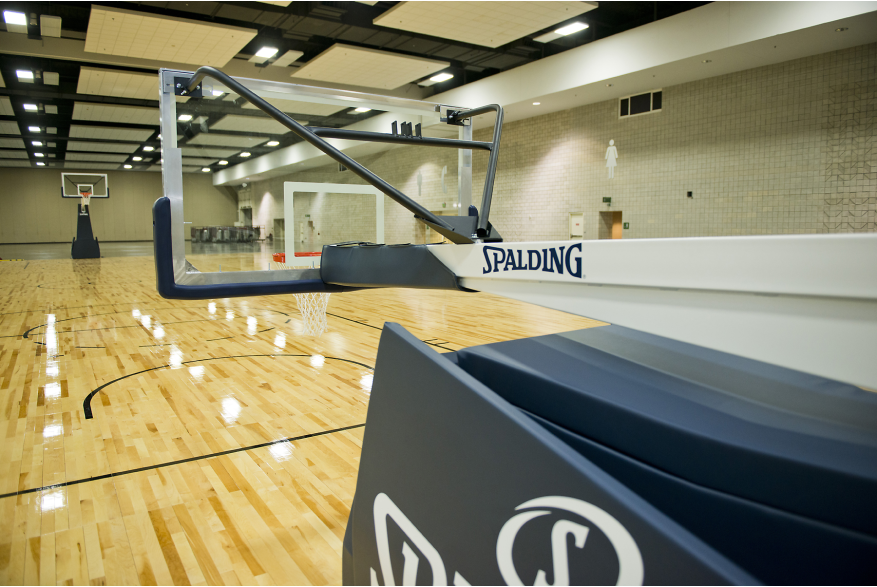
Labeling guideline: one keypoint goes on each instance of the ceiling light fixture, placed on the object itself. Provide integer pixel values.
(16, 22)
(536, 103)
(33, 128)
(362, 109)
(148, 148)
(24, 75)
(14, 17)
(272, 143)
(217, 93)
(128, 166)
(441, 77)
(137, 158)
(39, 155)
(266, 52)
(31, 107)
(223, 162)
(36, 143)
(245, 154)
(205, 169)
(41, 164)
(184, 117)
(571, 28)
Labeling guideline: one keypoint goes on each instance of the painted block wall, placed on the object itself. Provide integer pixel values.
(33, 211)
(783, 149)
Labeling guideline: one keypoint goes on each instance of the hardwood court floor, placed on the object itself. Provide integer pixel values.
(222, 444)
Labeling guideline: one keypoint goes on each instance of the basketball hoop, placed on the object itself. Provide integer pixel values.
(312, 306)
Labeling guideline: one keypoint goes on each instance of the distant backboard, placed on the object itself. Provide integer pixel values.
(73, 185)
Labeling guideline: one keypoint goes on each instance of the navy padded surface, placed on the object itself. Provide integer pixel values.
(795, 442)
(778, 547)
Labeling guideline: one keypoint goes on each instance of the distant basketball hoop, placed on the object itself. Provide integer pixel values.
(311, 306)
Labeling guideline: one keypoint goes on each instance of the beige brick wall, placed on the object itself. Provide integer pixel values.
(787, 148)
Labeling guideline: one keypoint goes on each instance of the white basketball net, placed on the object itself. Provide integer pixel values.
(313, 312)
(311, 306)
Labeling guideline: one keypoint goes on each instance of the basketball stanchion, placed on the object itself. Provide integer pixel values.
(312, 306)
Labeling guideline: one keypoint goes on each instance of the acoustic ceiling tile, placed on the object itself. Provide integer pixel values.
(14, 163)
(490, 24)
(225, 140)
(213, 153)
(195, 161)
(12, 143)
(115, 31)
(119, 84)
(100, 147)
(122, 114)
(296, 107)
(108, 133)
(256, 124)
(9, 128)
(10, 154)
(344, 64)
(6, 107)
(86, 165)
(96, 157)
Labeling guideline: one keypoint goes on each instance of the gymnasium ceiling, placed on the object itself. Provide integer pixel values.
(94, 83)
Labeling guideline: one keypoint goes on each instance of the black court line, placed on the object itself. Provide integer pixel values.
(355, 321)
(214, 339)
(86, 403)
(151, 345)
(266, 330)
(437, 345)
(179, 462)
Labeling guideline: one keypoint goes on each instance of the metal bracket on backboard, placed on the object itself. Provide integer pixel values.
(180, 84)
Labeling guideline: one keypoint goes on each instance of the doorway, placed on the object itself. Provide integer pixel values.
(280, 228)
(576, 225)
(247, 215)
(610, 225)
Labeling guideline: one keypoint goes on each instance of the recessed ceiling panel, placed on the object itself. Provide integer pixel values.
(206, 138)
(119, 84)
(12, 143)
(100, 147)
(296, 107)
(123, 114)
(114, 31)
(110, 134)
(10, 154)
(14, 163)
(6, 107)
(343, 64)
(195, 161)
(490, 24)
(95, 157)
(85, 165)
(251, 124)
(206, 152)
(9, 128)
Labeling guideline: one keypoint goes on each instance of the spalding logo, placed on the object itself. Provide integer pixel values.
(549, 260)
(630, 562)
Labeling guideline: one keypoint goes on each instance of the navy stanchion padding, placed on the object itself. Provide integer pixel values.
(84, 246)
(457, 486)
(774, 468)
